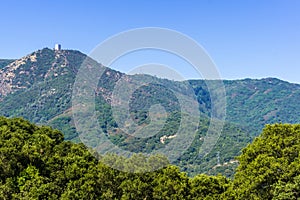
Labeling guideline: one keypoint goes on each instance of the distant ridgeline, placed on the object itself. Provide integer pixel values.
(38, 87)
(5, 62)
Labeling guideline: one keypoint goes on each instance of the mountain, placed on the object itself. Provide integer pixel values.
(38, 85)
(256, 102)
(5, 62)
(39, 88)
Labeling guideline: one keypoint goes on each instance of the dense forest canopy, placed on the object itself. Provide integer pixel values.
(36, 163)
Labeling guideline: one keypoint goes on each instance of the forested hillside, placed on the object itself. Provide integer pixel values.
(5, 62)
(256, 102)
(37, 163)
(39, 88)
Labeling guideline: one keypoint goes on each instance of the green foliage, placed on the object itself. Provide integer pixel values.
(37, 164)
(269, 167)
(64, 123)
(171, 184)
(260, 102)
(41, 91)
(208, 187)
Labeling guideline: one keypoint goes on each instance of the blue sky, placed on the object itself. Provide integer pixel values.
(254, 39)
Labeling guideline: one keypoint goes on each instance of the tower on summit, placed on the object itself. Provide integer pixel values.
(57, 47)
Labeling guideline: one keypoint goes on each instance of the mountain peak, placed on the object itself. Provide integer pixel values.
(39, 66)
(39, 87)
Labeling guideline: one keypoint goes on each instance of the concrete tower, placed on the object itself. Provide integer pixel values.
(57, 47)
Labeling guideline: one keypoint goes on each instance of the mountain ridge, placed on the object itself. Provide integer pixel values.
(38, 87)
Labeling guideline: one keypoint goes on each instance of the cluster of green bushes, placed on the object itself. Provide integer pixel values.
(36, 163)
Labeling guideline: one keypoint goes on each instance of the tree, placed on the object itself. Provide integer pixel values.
(208, 187)
(170, 183)
(269, 167)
